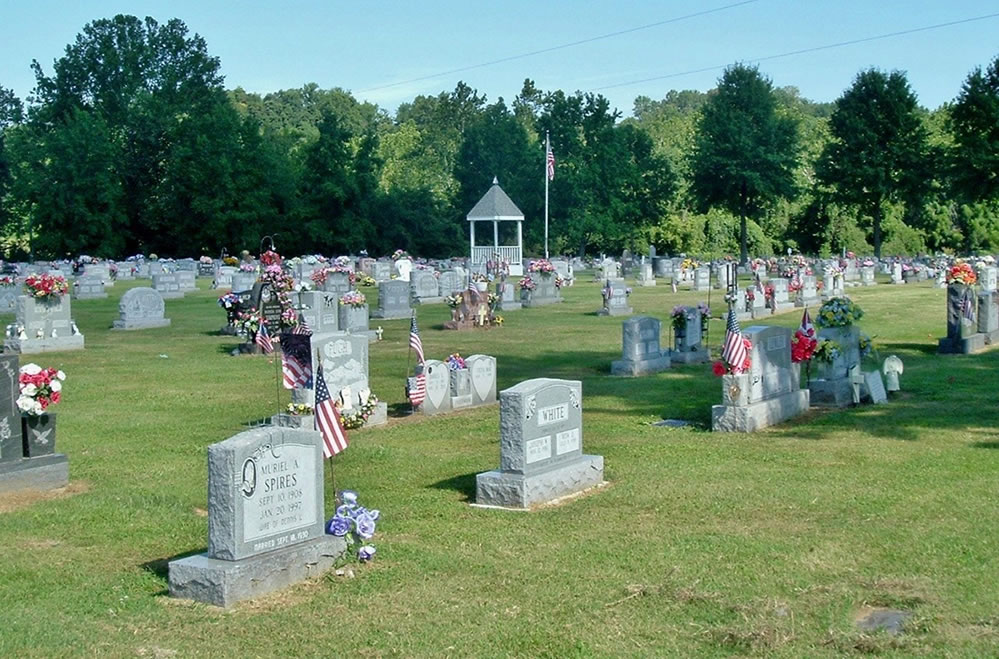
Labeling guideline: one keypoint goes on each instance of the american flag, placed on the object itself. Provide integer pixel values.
(734, 350)
(806, 324)
(328, 421)
(417, 392)
(263, 339)
(414, 339)
(968, 308)
(296, 359)
(550, 163)
(302, 327)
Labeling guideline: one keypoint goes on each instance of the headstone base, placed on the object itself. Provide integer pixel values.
(142, 324)
(391, 315)
(428, 300)
(47, 472)
(810, 302)
(91, 296)
(31, 346)
(224, 583)
(831, 393)
(170, 295)
(379, 416)
(781, 307)
(965, 346)
(509, 306)
(643, 367)
(540, 301)
(756, 416)
(298, 421)
(645, 282)
(616, 311)
(513, 490)
(991, 338)
(371, 335)
(700, 356)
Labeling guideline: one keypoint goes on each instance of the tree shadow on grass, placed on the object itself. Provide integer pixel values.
(985, 444)
(464, 485)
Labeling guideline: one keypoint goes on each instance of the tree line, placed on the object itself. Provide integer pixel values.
(133, 144)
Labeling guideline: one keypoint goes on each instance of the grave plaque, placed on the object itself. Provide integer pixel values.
(140, 308)
(265, 518)
(541, 442)
(641, 352)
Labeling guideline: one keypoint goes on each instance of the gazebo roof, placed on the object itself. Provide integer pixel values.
(495, 205)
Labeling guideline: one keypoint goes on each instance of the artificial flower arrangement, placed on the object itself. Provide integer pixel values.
(289, 317)
(802, 347)
(768, 292)
(230, 302)
(833, 269)
(724, 367)
(39, 388)
(355, 524)
(7, 280)
(688, 264)
(247, 267)
(867, 348)
(705, 314)
(230, 260)
(962, 273)
(299, 409)
(366, 280)
(868, 263)
(46, 286)
(826, 351)
(354, 299)
(543, 266)
(560, 282)
(319, 276)
(527, 284)
(497, 320)
(248, 322)
(679, 317)
(839, 312)
(207, 260)
(399, 254)
(794, 285)
(279, 280)
(453, 301)
(480, 278)
(356, 417)
(455, 362)
(492, 299)
(270, 257)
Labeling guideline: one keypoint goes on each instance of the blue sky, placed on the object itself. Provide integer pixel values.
(364, 46)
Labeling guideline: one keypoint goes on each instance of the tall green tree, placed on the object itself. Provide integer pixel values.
(974, 123)
(745, 152)
(11, 113)
(879, 152)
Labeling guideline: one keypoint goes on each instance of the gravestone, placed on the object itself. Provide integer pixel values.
(809, 295)
(472, 312)
(507, 299)
(243, 281)
(168, 286)
(224, 277)
(43, 325)
(544, 293)
(482, 377)
(662, 266)
(688, 344)
(832, 386)
(142, 269)
(381, 271)
(8, 298)
(987, 278)
(404, 268)
(265, 519)
(781, 301)
(154, 268)
(268, 305)
(345, 370)
(338, 283)
(449, 283)
(962, 335)
(867, 276)
(438, 384)
(88, 288)
(100, 271)
(645, 275)
(205, 269)
(564, 270)
(126, 270)
(140, 308)
(424, 288)
(640, 349)
(355, 320)
(319, 309)
(393, 300)
(702, 278)
(187, 280)
(721, 275)
(896, 273)
(541, 447)
(615, 297)
(19, 473)
(988, 316)
(769, 392)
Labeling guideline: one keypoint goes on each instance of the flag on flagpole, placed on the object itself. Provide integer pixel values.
(302, 327)
(328, 421)
(550, 161)
(414, 340)
(734, 350)
(417, 391)
(968, 308)
(263, 339)
(296, 359)
(806, 324)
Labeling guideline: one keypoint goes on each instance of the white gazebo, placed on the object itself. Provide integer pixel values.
(495, 206)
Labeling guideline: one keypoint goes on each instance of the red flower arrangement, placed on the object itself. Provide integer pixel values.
(802, 347)
(270, 257)
(45, 286)
(962, 273)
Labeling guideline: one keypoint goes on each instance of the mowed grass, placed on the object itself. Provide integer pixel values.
(703, 544)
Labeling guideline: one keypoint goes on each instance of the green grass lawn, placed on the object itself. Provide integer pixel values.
(703, 544)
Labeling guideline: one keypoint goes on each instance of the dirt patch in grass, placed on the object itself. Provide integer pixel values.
(17, 500)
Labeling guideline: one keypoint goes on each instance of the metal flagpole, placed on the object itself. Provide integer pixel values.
(548, 148)
(277, 378)
(409, 352)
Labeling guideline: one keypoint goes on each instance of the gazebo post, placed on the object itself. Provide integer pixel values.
(472, 254)
(496, 236)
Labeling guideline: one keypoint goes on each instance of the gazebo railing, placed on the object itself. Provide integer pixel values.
(510, 254)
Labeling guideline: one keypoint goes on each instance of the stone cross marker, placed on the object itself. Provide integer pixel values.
(541, 446)
(140, 308)
(265, 518)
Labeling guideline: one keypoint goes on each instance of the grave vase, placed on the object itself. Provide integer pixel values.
(38, 434)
